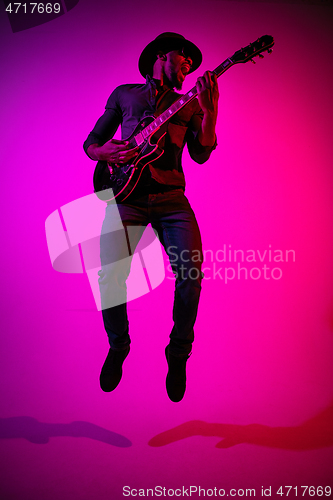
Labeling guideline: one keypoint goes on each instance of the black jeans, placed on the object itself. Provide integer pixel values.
(172, 217)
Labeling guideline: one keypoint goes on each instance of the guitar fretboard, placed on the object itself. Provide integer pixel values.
(181, 102)
(262, 44)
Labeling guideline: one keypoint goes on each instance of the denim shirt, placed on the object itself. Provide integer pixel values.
(128, 104)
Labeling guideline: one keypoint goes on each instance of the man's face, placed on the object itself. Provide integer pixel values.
(176, 67)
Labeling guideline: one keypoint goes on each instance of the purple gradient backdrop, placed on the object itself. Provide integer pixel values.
(263, 348)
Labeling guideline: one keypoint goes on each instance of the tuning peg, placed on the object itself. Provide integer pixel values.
(270, 51)
(252, 61)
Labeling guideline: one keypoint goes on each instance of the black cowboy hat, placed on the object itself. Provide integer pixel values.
(166, 42)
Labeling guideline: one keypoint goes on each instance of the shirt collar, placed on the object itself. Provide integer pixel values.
(153, 83)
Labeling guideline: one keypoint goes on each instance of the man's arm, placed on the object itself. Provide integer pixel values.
(99, 144)
(208, 95)
(113, 151)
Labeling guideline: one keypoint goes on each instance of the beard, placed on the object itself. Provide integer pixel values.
(173, 81)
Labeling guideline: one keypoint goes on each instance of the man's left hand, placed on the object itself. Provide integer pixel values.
(208, 92)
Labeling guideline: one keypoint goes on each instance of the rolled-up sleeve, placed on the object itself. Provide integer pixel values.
(106, 126)
(198, 152)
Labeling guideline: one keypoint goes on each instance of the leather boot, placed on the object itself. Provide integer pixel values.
(176, 377)
(112, 369)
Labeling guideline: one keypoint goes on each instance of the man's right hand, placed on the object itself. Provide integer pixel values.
(113, 151)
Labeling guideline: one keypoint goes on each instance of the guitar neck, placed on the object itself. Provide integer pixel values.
(262, 44)
(181, 102)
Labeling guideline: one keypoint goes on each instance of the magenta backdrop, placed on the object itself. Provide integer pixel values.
(258, 408)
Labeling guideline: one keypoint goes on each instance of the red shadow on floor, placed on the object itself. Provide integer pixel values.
(315, 433)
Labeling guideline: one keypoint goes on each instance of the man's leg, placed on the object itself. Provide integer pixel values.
(179, 233)
(116, 254)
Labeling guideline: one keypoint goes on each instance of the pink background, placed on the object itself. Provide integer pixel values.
(258, 408)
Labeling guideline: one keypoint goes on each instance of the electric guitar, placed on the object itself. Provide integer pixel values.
(123, 178)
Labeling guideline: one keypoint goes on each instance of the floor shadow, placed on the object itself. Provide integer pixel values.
(315, 433)
(40, 433)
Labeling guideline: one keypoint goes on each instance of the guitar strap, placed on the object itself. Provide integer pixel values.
(160, 98)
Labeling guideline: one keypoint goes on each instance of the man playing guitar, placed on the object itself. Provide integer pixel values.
(158, 197)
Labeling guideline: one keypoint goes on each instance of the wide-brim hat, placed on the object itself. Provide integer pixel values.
(166, 42)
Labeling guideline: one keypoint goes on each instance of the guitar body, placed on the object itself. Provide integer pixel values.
(123, 178)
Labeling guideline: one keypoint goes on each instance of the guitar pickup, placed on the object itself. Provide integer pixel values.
(139, 138)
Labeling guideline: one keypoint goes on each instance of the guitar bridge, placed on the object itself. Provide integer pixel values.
(130, 166)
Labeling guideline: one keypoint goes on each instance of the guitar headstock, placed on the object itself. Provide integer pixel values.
(263, 44)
